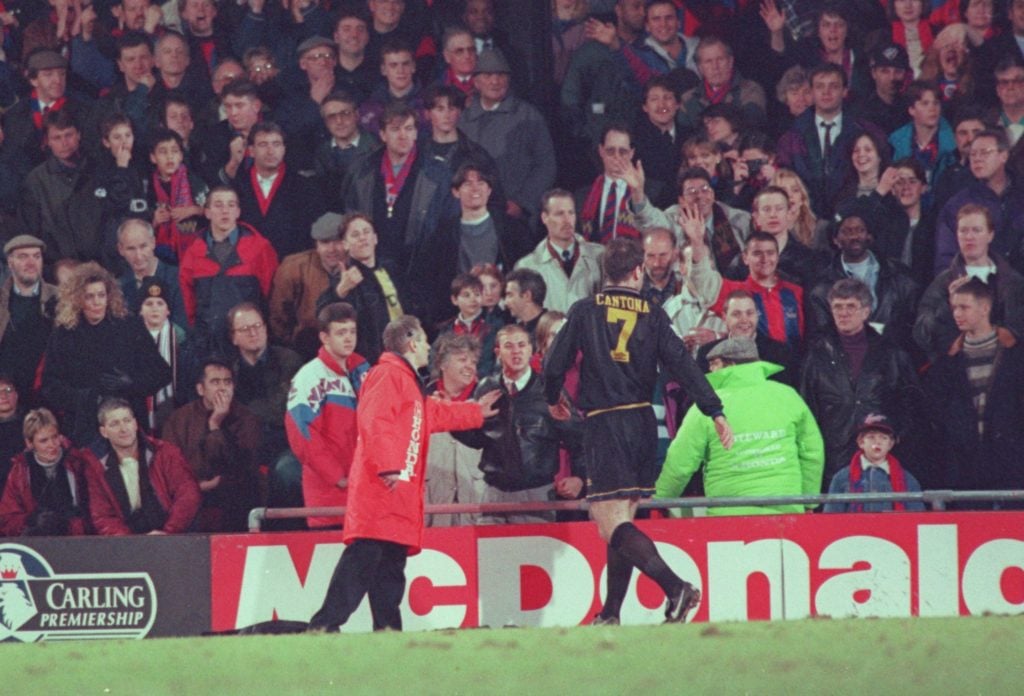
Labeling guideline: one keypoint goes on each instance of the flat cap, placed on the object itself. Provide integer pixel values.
(45, 60)
(23, 241)
(491, 61)
(734, 349)
(327, 228)
(315, 42)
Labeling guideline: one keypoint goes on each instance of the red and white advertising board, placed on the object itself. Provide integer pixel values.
(749, 568)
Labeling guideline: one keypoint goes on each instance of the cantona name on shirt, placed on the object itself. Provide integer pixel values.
(633, 304)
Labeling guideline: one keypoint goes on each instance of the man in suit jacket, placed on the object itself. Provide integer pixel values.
(816, 146)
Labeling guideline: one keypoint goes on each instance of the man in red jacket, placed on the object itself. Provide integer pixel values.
(142, 485)
(321, 416)
(384, 518)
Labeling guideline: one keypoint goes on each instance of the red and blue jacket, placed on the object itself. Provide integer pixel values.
(321, 426)
(209, 288)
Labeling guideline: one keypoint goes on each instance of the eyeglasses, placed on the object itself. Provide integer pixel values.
(694, 191)
(6, 391)
(266, 67)
(326, 55)
(339, 115)
(982, 152)
(251, 328)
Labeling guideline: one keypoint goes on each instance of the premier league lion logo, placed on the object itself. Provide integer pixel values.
(16, 604)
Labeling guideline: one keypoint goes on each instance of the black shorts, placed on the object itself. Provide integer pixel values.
(620, 452)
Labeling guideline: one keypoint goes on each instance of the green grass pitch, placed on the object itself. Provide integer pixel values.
(899, 656)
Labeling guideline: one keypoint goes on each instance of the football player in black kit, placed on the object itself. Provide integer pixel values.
(623, 338)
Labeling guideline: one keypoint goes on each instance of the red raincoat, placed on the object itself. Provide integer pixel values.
(395, 421)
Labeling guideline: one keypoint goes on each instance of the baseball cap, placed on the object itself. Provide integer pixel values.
(876, 421)
(890, 55)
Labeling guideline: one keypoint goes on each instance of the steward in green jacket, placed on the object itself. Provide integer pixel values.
(778, 448)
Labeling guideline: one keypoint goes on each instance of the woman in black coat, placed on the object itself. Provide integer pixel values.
(98, 350)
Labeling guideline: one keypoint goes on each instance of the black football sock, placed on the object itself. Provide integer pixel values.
(638, 549)
(620, 570)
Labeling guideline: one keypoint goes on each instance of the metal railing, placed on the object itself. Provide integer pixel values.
(935, 499)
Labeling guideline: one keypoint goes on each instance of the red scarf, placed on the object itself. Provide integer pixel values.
(209, 51)
(168, 234)
(476, 329)
(38, 113)
(896, 478)
(465, 395)
(715, 95)
(393, 184)
(924, 34)
(4, 31)
(590, 223)
(450, 78)
(265, 201)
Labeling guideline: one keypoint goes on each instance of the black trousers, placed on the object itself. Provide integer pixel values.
(367, 566)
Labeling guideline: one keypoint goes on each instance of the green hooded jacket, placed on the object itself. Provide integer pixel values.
(778, 448)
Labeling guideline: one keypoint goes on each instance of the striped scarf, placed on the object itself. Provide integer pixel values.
(169, 236)
(590, 217)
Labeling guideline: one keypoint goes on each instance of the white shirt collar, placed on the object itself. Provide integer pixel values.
(34, 292)
(521, 382)
(620, 185)
(837, 120)
(353, 143)
(883, 465)
(266, 183)
(468, 324)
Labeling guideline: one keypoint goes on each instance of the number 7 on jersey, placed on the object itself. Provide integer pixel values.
(628, 319)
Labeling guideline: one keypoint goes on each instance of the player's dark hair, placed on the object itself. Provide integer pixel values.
(621, 257)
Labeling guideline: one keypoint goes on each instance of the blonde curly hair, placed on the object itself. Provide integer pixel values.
(71, 300)
(806, 222)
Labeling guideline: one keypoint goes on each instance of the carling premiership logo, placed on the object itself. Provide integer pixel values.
(37, 603)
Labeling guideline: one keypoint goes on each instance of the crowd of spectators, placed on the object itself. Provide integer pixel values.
(211, 210)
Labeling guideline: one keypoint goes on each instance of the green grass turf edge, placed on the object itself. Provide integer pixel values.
(972, 655)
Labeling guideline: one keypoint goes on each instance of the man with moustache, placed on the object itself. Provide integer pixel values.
(569, 264)
(27, 304)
